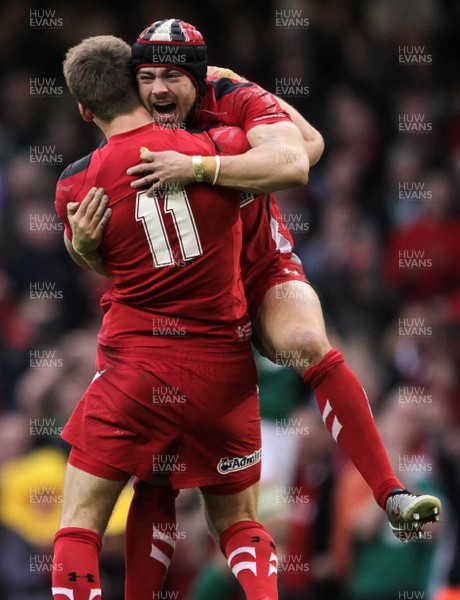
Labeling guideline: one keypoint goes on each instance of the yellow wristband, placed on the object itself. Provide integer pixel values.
(198, 169)
(206, 168)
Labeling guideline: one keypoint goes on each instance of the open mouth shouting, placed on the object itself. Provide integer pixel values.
(164, 111)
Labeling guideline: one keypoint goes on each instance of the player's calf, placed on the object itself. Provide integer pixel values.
(248, 547)
(150, 539)
(75, 564)
(87, 505)
(251, 555)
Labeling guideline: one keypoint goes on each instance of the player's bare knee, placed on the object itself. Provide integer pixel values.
(304, 347)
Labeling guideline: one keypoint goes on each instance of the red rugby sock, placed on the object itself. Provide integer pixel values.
(150, 540)
(75, 564)
(251, 555)
(346, 413)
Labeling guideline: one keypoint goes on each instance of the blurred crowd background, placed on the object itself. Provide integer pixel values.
(378, 231)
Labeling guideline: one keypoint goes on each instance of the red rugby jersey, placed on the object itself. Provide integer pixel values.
(174, 258)
(238, 103)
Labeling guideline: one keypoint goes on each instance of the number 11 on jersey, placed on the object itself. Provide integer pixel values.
(177, 205)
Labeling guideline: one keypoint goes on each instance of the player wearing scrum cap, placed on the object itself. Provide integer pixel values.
(288, 324)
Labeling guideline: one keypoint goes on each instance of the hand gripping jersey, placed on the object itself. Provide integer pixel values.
(174, 258)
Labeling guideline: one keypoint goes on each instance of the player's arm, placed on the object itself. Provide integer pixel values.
(278, 158)
(276, 161)
(87, 221)
(313, 140)
(91, 261)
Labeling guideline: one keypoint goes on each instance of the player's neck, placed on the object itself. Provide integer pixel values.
(123, 123)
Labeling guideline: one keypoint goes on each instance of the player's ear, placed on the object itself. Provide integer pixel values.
(86, 114)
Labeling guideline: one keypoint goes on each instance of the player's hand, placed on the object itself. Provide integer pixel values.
(220, 72)
(161, 169)
(88, 220)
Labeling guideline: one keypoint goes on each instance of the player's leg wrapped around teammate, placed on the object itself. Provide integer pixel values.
(282, 307)
(346, 413)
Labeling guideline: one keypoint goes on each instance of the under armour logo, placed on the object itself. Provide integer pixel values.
(257, 539)
(73, 577)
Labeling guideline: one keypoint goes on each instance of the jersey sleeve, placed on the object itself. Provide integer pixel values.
(70, 183)
(260, 107)
(60, 204)
(253, 105)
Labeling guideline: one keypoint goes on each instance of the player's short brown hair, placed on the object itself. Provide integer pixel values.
(98, 73)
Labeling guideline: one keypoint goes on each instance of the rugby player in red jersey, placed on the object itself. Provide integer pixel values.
(175, 325)
(292, 324)
(288, 324)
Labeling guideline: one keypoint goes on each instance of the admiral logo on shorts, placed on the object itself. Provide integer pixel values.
(230, 465)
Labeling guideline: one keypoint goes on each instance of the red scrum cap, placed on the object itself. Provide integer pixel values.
(173, 43)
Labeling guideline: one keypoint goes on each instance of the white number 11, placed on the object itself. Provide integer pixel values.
(176, 203)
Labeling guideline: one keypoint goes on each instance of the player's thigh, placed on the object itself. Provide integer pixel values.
(222, 511)
(290, 319)
(88, 500)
